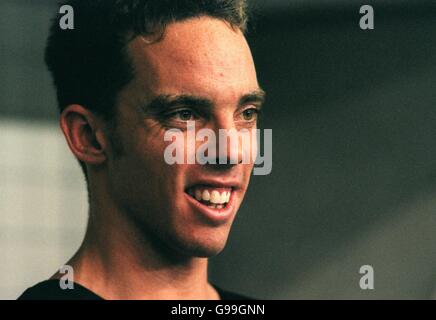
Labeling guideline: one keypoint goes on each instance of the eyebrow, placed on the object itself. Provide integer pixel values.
(254, 97)
(162, 102)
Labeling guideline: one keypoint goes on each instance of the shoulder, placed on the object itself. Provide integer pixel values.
(51, 290)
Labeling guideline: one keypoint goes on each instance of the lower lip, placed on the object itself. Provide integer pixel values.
(216, 216)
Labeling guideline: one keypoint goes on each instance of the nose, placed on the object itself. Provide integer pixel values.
(229, 147)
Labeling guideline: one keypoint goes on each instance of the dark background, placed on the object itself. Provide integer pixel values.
(353, 116)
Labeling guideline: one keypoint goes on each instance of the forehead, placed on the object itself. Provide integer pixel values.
(202, 56)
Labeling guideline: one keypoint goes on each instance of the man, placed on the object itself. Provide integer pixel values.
(129, 71)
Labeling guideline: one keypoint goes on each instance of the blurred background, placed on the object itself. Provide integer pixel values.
(353, 115)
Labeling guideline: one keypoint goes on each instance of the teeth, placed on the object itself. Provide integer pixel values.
(215, 197)
(198, 194)
(225, 197)
(222, 198)
(206, 195)
(210, 195)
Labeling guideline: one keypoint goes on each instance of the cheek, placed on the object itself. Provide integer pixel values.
(140, 166)
(163, 179)
(148, 186)
(249, 146)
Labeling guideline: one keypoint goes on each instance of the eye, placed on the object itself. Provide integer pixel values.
(184, 115)
(250, 114)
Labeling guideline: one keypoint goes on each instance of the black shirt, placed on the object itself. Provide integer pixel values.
(51, 290)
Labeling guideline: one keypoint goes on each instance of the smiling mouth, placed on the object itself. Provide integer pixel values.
(212, 197)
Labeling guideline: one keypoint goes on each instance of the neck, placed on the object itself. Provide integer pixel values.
(119, 261)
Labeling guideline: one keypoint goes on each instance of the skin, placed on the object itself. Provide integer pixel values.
(143, 241)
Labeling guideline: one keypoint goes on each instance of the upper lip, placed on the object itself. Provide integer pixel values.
(217, 183)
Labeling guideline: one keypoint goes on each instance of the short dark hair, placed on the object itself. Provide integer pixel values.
(89, 63)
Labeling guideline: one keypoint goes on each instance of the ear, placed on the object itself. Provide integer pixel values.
(84, 134)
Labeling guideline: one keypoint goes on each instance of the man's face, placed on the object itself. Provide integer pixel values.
(210, 64)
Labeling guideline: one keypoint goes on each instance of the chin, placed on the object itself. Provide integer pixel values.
(202, 245)
(202, 251)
